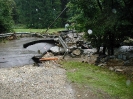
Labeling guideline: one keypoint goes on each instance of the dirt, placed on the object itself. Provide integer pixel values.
(86, 92)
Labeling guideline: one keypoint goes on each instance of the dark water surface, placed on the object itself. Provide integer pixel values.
(13, 54)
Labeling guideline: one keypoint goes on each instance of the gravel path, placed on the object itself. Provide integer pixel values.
(31, 82)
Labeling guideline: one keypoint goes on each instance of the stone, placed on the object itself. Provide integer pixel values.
(111, 68)
(112, 57)
(57, 49)
(120, 56)
(127, 62)
(128, 82)
(118, 70)
(79, 95)
(124, 57)
(102, 64)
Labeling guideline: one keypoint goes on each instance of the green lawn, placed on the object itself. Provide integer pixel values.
(99, 79)
(39, 30)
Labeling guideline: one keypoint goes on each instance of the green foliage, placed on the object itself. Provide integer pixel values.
(108, 19)
(99, 79)
(39, 13)
(50, 31)
(5, 15)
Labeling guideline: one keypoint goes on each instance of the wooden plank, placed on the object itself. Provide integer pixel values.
(48, 58)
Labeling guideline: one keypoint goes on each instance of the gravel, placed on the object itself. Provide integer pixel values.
(30, 82)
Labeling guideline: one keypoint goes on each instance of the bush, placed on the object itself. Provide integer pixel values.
(5, 16)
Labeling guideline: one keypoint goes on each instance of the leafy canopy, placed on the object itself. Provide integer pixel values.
(108, 19)
(5, 15)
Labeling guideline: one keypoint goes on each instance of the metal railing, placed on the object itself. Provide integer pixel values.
(63, 43)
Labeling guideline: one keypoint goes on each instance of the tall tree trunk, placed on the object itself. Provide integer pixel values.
(98, 49)
(111, 44)
(104, 49)
(98, 2)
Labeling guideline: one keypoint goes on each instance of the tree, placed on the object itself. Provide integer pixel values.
(39, 13)
(64, 14)
(109, 20)
(5, 15)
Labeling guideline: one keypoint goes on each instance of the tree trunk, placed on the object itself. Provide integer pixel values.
(111, 44)
(98, 49)
(104, 50)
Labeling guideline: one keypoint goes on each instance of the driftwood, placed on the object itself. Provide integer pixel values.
(48, 58)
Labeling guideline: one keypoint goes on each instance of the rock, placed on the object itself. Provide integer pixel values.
(124, 57)
(76, 51)
(104, 59)
(111, 68)
(112, 57)
(126, 63)
(130, 55)
(102, 64)
(120, 56)
(128, 82)
(118, 70)
(57, 49)
(115, 62)
(79, 95)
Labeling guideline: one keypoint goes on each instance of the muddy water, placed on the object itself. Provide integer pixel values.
(13, 54)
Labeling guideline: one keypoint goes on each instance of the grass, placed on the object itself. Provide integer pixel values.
(99, 78)
(39, 30)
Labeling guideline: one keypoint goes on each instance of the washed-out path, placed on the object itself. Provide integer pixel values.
(20, 80)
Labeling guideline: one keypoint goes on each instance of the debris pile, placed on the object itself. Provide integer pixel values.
(66, 43)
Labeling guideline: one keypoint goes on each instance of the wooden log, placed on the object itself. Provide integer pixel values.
(48, 58)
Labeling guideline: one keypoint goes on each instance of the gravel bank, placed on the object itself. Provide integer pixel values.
(30, 82)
